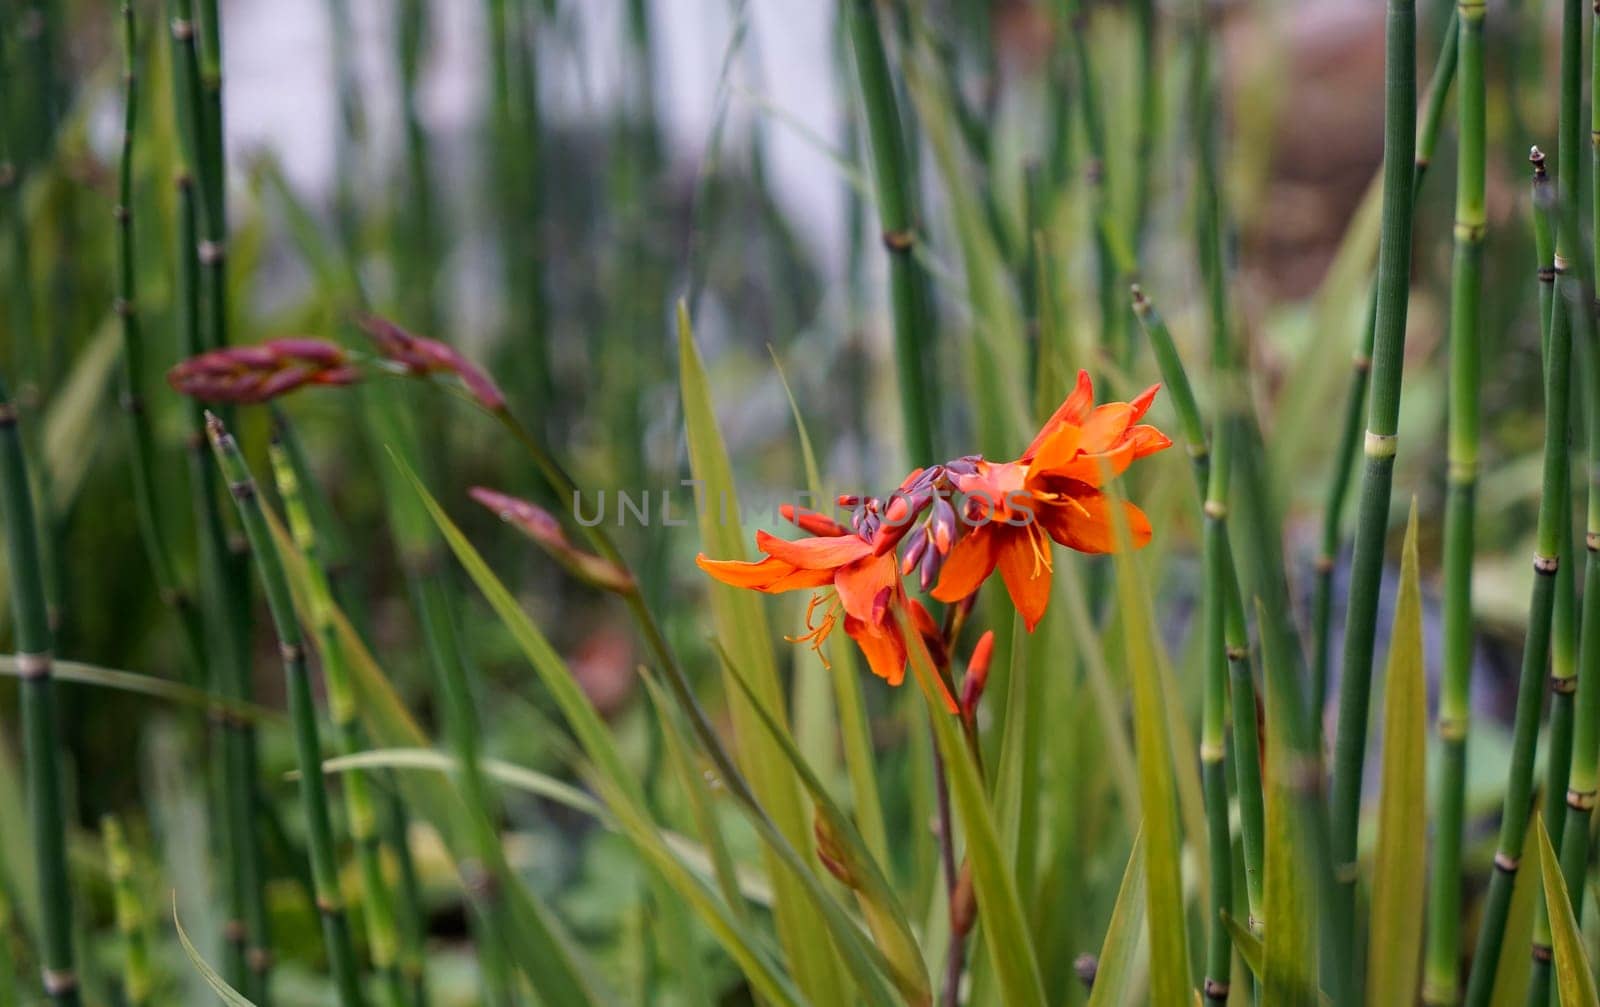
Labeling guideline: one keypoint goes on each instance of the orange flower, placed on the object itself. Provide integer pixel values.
(847, 577)
(1052, 490)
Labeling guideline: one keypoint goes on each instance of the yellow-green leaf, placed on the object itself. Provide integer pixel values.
(1574, 977)
(1117, 971)
(1394, 953)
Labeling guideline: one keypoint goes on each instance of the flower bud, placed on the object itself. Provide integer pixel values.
(247, 374)
(542, 526)
(977, 676)
(421, 356)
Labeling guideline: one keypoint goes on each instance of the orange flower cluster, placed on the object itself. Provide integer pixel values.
(956, 524)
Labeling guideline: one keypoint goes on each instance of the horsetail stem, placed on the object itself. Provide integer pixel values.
(1584, 779)
(302, 710)
(1217, 547)
(29, 613)
(1536, 650)
(1444, 904)
(1344, 457)
(224, 597)
(897, 208)
(1381, 444)
(133, 922)
(377, 903)
(141, 441)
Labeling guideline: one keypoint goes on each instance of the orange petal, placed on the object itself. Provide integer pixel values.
(1096, 469)
(814, 522)
(814, 553)
(1141, 404)
(971, 560)
(1057, 449)
(1074, 410)
(769, 575)
(884, 648)
(1106, 425)
(1147, 440)
(1026, 577)
(1084, 523)
(860, 585)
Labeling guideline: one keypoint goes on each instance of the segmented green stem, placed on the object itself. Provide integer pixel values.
(133, 923)
(1382, 441)
(897, 210)
(1536, 649)
(41, 743)
(1444, 903)
(1211, 214)
(1444, 70)
(377, 902)
(302, 711)
(141, 441)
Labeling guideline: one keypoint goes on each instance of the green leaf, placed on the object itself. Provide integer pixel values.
(1117, 971)
(1394, 955)
(1004, 928)
(1158, 790)
(742, 627)
(1246, 943)
(884, 914)
(1290, 953)
(1574, 977)
(229, 995)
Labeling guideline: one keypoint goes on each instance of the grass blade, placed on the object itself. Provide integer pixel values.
(1395, 943)
(1574, 977)
(1117, 973)
(229, 995)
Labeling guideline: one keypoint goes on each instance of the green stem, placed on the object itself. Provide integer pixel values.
(897, 210)
(141, 441)
(377, 903)
(1536, 649)
(1381, 443)
(40, 730)
(302, 711)
(1444, 903)
(1444, 71)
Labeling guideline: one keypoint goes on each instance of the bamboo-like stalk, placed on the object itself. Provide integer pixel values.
(377, 903)
(1565, 742)
(1344, 457)
(302, 711)
(1205, 114)
(1441, 982)
(41, 741)
(1381, 443)
(141, 441)
(897, 209)
(417, 237)
(1555, 487)
(1584, 778)
(133, 922)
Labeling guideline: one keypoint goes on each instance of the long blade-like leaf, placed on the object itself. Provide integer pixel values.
(1117, 972)
(1395, 947)
(1574, 977)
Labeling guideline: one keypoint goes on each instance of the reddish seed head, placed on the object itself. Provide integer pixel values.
(245, 374)
(422, 356)
(541, 526)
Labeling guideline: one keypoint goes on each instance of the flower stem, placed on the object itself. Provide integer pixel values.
(132, 920)
(40, 731)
